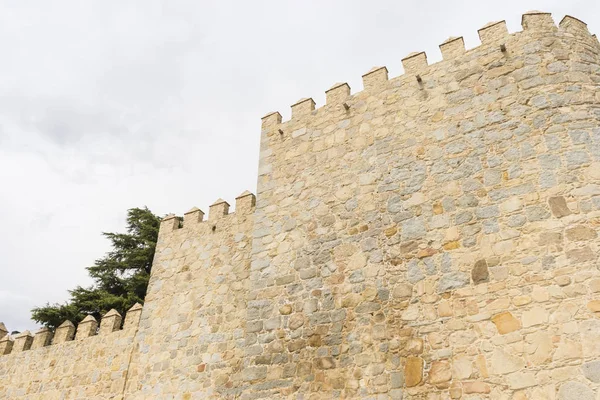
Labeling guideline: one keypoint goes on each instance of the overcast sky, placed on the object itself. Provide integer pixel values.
(108, 105)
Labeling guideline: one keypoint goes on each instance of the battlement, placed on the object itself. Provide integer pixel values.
(494, 37)
(218, 211)
(68, 332)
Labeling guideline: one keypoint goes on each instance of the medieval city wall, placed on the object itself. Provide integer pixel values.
(444, 239)
(192, 335)
(90, 363)
(433, 236)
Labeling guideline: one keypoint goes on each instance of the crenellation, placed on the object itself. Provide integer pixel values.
(302, 108)
(452, 48)
(337, 94)
(3, 330)
(537, 20)
(111, 321)
(42, 338)
(245, 203)
(86, 328)
(573, 25)
(169, 223)
(375, 78)
(6, 345)
(218, 210)
(22, 342)
(193, 217)
(493, 32)
(270, 120)
(415, 63)
(132, 318)
(64, 333)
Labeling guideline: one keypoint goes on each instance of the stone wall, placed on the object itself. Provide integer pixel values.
(442, 227)
(90, 364)
(434, 236)
(192, 331)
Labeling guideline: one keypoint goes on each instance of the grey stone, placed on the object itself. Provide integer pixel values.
(463, 217)
(536, 213)
(492, 177)
(414, 273)
(452, 280)
(577, 158)
(579, 137)
(549, 161)
(413, 228)
(395, 204)
(516, 220)
(575, 391)
(367, 307)
(487, 212)
(591, 370)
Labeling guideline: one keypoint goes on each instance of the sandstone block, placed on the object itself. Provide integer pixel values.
(413, 371)
(558, 206)
(505, 323)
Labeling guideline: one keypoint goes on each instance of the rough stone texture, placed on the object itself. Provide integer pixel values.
(575, 391)
(352, 274)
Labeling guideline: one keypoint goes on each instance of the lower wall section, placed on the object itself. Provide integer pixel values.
(94, 368)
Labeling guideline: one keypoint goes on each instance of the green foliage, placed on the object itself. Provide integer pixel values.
(120, 277)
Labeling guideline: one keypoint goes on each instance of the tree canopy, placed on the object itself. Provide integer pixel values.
(120, 277)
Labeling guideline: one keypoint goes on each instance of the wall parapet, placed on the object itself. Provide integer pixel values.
(68, 332)
(416, 65)
(244, 206)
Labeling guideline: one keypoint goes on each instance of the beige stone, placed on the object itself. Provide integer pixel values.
(413, 371)
(594, 305)
(534, 316)
(580, 233)
(558, 206)
(476, 387)
(462, 368)
(505, 323)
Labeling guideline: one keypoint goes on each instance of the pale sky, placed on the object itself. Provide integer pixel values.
(108, 105)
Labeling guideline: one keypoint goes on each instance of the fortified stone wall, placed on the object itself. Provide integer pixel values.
(91, 363)
(444, 239)
(434, 236)
(192, 331)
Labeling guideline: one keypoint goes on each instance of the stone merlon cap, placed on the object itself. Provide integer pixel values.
(66, 324)
(489, 24)
(570, 17)
(244, 194)
(536, 12)
(3, 327)
(112, 313)
(413, 54)
(269, 114)
(302, 100)
(337, 85)
(169, 216)
(193, 209)
(374, 69)
(135, 307)
(89, 318)
(219, 201)
(24, 333)
(451, 39)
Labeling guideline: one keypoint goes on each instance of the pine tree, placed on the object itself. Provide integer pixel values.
(120, 277)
